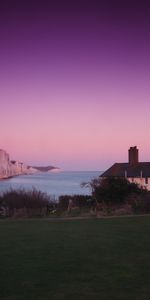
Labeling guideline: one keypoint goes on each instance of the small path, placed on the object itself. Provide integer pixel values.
(94, 217)
(73, 218)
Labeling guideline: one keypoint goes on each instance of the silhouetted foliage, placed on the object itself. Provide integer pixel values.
(80, 201)
(29, 203)
(112, 189)
(140, 203)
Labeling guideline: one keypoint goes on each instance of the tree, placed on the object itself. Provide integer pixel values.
(112, 189)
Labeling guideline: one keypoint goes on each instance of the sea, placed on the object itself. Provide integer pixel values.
(54, 184)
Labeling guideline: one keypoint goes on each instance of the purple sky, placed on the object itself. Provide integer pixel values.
(74, 82)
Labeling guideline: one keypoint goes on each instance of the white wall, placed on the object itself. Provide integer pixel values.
(141, 182)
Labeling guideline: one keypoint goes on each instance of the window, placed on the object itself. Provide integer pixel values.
(146, 180)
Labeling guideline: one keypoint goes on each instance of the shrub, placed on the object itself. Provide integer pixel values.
(32, 202)
(63, 202)
(140, 203)
(81, 201)
(112, 190)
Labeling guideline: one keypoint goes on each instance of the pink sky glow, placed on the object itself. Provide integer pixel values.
(74, 92)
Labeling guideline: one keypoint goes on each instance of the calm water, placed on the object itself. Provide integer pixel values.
(55, 184)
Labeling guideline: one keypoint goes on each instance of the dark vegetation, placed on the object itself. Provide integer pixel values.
(109, 196)
(119, 196)
(113, 190)
(80, 201)
(20, 203)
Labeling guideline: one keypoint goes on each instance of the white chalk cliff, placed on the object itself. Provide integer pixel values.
(10, 168)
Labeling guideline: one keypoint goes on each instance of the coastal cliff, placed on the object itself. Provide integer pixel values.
(9, 168)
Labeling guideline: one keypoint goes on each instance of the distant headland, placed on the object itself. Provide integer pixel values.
(10, 168)
(46, 169)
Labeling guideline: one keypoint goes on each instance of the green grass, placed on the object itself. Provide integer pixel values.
(79, 259)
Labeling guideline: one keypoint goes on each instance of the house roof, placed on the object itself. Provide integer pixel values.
(126, 170)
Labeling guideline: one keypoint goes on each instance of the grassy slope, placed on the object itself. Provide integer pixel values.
(86, 259)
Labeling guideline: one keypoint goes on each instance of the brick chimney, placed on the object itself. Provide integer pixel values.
(133, 154)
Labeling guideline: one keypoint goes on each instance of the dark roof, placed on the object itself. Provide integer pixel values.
(120, 169)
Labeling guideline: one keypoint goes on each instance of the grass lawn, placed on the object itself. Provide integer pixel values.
(75, 259)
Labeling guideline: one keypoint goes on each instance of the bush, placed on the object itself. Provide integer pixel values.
(140, 203)
(21, 202)
(80, 201)
(112, 190)
(63, 202)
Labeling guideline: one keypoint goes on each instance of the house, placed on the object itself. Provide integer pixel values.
(134, 171)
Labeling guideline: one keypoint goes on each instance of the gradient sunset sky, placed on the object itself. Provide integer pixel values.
(74, 82)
